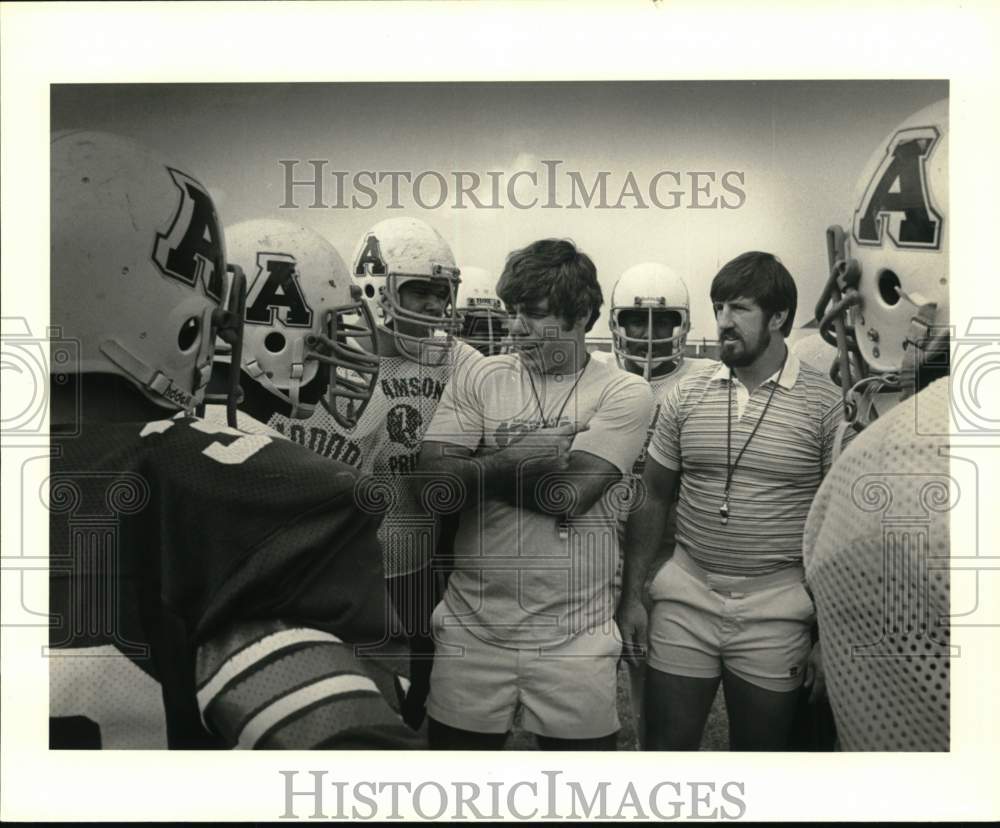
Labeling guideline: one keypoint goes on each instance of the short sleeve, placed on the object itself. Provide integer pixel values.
(665, 445)
(617, 430)
(458, 418)
(831, 424)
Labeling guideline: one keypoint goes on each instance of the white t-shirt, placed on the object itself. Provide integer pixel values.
(385, 445)
(522, 578)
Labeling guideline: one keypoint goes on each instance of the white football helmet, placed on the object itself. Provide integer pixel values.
(138, 267)
(303, 312)
(886, 301)
(393, 253)
(654, 288)
(485, 321)
(813, 350)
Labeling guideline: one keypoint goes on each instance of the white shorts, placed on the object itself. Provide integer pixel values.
(757, 627)
(567, 692)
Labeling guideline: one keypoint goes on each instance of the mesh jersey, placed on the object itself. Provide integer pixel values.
(198, 571)
(385, 446)
(876, 553)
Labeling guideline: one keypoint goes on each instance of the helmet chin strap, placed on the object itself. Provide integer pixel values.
(157, 385)
(154, 383)
(922, 339)
(291, 396)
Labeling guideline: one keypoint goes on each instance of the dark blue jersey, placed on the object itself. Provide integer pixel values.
(207, 589)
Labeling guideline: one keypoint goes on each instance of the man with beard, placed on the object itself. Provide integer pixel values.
(748, 442)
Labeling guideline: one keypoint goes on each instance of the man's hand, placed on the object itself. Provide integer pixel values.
(549, 444)
(633, 621)
(815, 675)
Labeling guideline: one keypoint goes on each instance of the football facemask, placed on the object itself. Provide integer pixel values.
(655, 290)
(304, 320)
(397, 252)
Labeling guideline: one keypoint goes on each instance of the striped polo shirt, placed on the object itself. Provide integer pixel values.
(776, 479)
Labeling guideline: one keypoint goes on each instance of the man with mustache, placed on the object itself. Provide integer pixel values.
(748, 442)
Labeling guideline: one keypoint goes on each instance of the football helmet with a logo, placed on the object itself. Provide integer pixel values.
(654, 296)
(885, 304)
(139, 274)
(303, 315)
(485, 321)
(399, 251)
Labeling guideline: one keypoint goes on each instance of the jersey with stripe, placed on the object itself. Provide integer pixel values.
(660, 387)
(385, 446)
(877, 556)
(175, 546)
(774, 481)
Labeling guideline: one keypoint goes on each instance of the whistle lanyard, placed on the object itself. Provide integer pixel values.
(731, 467)
(562, 408)
(562, 525)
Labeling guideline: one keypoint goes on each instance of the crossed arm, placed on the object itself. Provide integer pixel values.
(537, 471)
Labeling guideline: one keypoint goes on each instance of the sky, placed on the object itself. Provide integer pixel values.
(791, 154)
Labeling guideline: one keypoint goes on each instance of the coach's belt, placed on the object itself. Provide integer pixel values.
(734, 586)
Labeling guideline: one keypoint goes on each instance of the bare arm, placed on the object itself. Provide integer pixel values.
(583, 479)
(642, 540)
(501, 473)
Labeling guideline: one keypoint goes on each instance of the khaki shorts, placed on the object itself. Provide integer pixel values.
(758, 628)
(567, 692)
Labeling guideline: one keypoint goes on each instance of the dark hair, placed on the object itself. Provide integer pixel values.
(761, 277)
(556, 270)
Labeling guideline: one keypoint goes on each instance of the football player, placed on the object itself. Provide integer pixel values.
(309, 338)
(650, 319)
(881, 585)
(406, 272)
(485, 324)
(207, 586)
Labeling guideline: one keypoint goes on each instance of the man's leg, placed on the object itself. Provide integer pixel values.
(444, 737)
(677, 708)
(413, 599)
(759, 719)
(684, 664)
(813, 728)
(609, 742)
(636, 679)
(473, 689)
(765, 662)
(569, 692)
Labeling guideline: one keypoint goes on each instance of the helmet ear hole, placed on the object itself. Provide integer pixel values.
(370, 291)
(187, 337)
(274, 342)
(888, 287)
